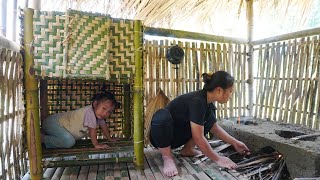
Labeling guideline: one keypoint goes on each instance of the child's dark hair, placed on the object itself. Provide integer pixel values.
(105, 96)
(218, 79)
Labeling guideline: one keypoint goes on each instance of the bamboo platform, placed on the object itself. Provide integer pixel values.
(152, 170)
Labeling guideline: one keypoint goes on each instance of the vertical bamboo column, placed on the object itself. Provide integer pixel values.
(138, 96)
(32, 101)
(127, 113)
(250, 53)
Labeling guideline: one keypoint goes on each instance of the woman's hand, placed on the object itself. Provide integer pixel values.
(226, 162)
(241, 148)
(101, 146)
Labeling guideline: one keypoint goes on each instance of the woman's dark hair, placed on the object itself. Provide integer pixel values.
(105, 96)
(218, 79)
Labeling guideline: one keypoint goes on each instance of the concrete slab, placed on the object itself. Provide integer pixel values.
(302, 157)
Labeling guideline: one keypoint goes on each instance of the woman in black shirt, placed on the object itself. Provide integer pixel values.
(186, 120)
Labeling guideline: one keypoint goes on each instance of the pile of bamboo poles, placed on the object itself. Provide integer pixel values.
(263, 166)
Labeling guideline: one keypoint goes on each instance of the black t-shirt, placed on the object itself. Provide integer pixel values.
(192, 107)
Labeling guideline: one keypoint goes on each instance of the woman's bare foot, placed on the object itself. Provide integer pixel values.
(189, 152)
(169, 167)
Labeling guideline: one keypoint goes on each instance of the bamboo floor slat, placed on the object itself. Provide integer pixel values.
(152, 170)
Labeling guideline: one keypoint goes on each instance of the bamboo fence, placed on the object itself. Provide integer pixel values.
(287, 81)
(13, 160)
(200, 57)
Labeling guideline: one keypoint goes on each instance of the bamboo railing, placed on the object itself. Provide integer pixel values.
(287, 80)
(13, 160)
(200, 57)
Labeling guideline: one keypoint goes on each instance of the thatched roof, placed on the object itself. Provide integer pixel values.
(219, 17)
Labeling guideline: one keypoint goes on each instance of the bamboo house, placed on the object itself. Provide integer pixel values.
(58, 54)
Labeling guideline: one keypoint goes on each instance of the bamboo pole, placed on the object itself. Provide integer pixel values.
(32, 101)
(191, 35)
(3, 18)
(138, 96)
(5, 43)
(250, 54)
(127, 109)
(294, 35)
(89, 162)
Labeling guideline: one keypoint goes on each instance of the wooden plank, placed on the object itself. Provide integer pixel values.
(305, 106)
(66, 173)
(284, 84)
(271, 89)
(101, 168)
(226, 68)
(300, 88)
(166, 74)
(231, 70)
(196, 65)
(275, 84)
(316, 98)
(83, 174)
(108, 167)
(57, 174)
(291, 52)
(157, 64)
(294, 90)
(163, 68)
(181, 76)
(135, 174)
(158, 160)
(151, 71)
(74, 172)
(92, 174)
(153, 166)
(147, 170)
(243, 79)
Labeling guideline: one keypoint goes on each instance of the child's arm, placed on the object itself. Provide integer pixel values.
(106, 133)
(93, 137)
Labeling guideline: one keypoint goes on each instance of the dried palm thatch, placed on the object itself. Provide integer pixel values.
(220, 17)
(156, 103)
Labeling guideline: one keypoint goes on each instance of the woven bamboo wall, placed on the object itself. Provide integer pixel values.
(13, 160)
(200, 57)
(287, 81)
(79, 44)
(61, 95)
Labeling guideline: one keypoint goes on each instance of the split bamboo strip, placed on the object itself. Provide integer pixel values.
(243, 73)
(199, 58)
(316, 121)
(288, 81)
(191, 35)
(32, 101)
(283, 91)
(127, 111)
(138, 95)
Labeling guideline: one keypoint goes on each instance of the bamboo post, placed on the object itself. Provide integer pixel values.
(32, 100)
(138, 96)
(127, 109)
(250, 53)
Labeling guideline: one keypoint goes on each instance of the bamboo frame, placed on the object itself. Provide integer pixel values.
(288, 81)
(191, 35)
(138, 96)
(250, 54)
(199, 57)
(32, 101)
(5, 43)
(89, 162)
